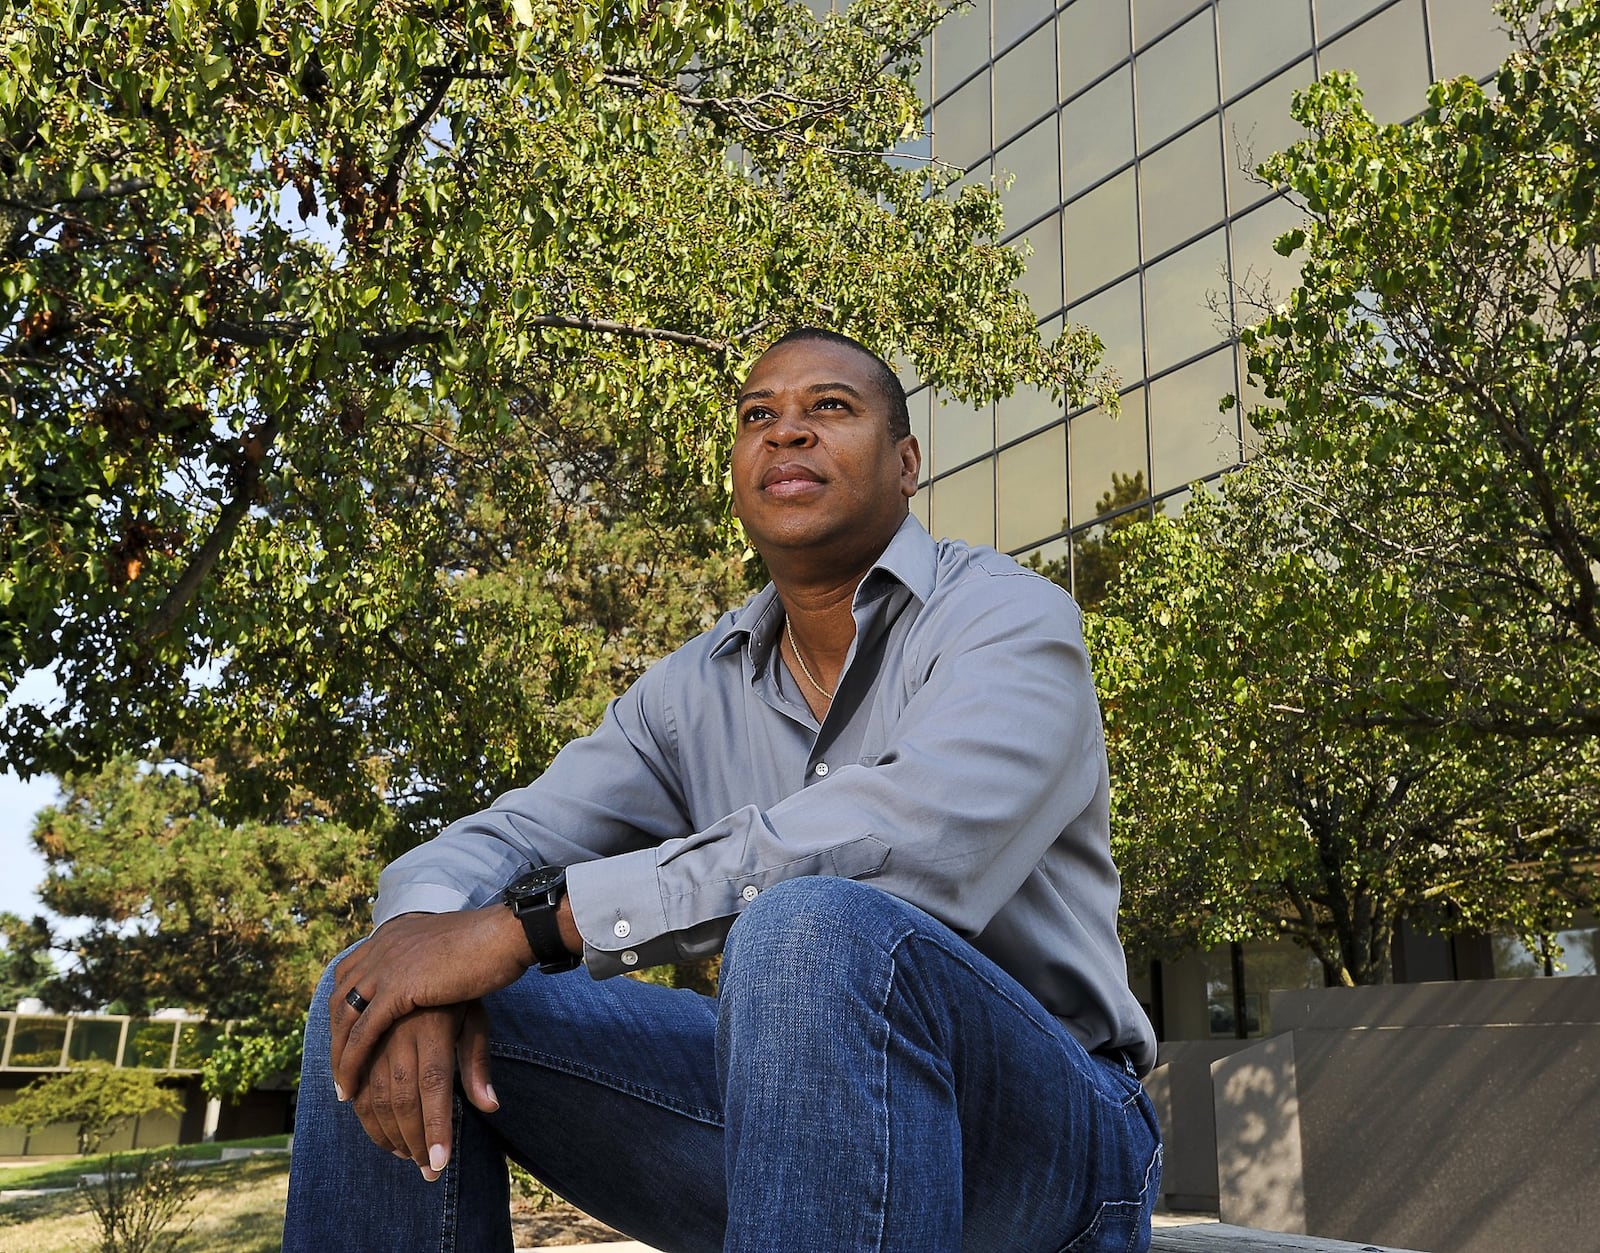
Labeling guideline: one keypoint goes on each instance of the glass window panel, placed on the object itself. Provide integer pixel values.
(1027, 78)
(1261, 277)
(1178, 292)
(1036, 189)
(1113, 315)
(919, 507)
(1015, 18)
(1151, 17)
(1180, 188)
(149, 1044)
(1097, 132)
(1041, 281)
(1468, 38)
(1257, 126)
(963, 504)
(1103, 446)
(1390, 58)
(1092, 36)
(36, 1043)
(960, 433)
(917, 404)
(1024, 411)
(95, 1040)
(1269, 966)
(1102, 234)
(960, 45)
(1177, 80)
(924, 79)
(1189, 437)
(1032, 489)
(1259, 37)
(1052, 557)
(1334, 15)
(961, 124)
(196, 1042)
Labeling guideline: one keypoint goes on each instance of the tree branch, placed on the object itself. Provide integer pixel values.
(171, 609)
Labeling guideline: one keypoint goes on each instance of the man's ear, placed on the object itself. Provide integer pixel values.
(910, 465)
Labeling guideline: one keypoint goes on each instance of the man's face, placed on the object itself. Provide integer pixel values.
(813, 465)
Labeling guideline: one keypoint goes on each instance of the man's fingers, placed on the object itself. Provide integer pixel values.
(406, 1098)
(346, 1005)
(353, 1047)
(472, 1058)
(436, 1090)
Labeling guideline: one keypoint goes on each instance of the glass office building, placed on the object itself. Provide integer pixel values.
(1127, 130)
(1121, 136)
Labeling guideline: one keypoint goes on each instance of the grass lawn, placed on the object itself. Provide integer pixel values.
(239, 1209)
(64, 1173)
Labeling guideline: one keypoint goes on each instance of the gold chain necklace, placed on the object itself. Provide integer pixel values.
(788, 629)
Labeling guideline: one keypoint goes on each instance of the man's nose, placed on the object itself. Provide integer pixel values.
(791, 430)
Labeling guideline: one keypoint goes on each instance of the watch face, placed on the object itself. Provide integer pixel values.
(536, 882)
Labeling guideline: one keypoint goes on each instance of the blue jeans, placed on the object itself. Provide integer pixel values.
(865, 1081)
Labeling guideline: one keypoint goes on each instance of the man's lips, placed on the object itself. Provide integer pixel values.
(789, 477)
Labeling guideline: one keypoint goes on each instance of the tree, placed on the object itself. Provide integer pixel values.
(25, 966)
(1254, 798)
(98, 1100)
(282, 290)
(1441, 348)
(184, 908)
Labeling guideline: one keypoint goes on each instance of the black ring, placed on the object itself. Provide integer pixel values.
(356, 1001)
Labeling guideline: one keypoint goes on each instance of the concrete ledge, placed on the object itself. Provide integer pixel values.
(1216, 1237)
(1200, 1237)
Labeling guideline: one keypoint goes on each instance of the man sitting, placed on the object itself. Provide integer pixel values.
(879, 789)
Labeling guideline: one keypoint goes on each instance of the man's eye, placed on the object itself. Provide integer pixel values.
(755, 415)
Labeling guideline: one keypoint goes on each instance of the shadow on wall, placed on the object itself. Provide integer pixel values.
(1457, 1116)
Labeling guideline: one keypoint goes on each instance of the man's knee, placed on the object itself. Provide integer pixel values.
(808, 906)
(818, 924)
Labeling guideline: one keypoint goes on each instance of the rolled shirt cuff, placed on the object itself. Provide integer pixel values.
(616, 904)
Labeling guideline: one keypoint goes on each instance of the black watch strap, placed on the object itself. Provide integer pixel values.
(534, 898)
(544, 937)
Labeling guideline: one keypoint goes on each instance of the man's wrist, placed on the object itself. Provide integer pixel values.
(570, 935)
(535, 898)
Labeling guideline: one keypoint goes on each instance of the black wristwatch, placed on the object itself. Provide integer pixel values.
(533, 896)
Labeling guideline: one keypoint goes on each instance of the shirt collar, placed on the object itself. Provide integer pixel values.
(911, 559)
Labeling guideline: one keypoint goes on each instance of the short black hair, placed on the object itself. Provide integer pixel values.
(888, 384)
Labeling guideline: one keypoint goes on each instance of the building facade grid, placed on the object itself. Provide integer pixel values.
(1119, 135)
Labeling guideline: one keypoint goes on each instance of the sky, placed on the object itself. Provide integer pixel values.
(21, 868)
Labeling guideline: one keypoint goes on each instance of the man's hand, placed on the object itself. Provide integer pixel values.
(421, 976)
(405, 1102)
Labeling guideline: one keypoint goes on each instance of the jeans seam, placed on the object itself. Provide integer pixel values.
(604, 1078)
(452, 1187)
(881, 1130)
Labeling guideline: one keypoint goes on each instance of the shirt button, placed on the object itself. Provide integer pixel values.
(622, 930)
(629, 957)
(750, 892)
(822, 770)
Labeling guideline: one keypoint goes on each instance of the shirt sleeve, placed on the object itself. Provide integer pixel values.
(997, 753)
(609, 794)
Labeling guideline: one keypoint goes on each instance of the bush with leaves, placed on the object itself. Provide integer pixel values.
(139, 1203)
(97, 1100)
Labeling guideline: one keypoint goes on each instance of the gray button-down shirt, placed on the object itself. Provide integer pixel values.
(962, 767)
